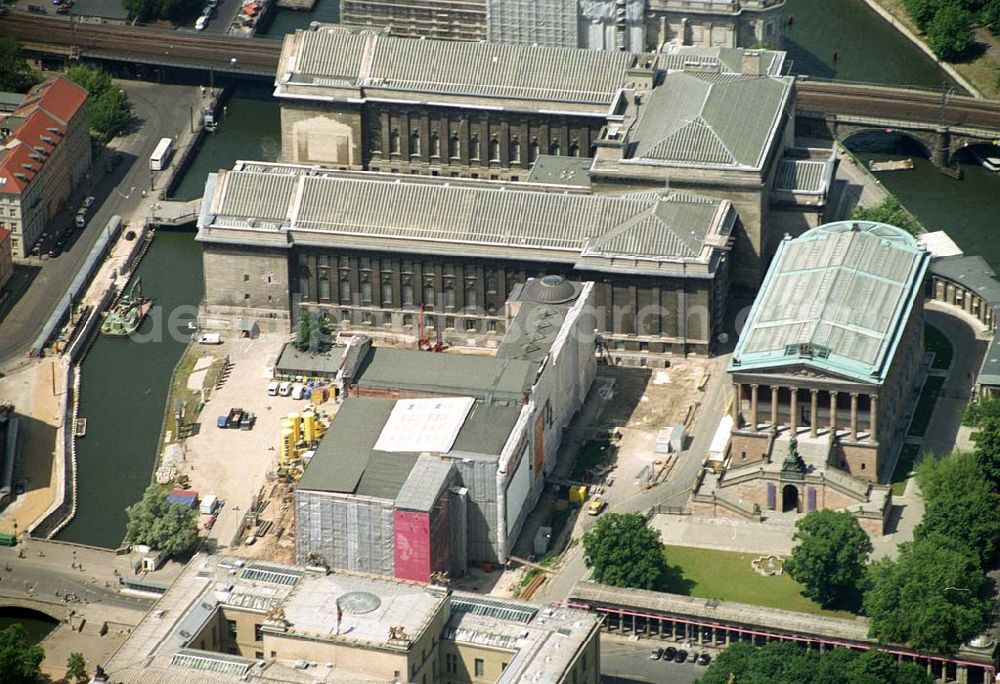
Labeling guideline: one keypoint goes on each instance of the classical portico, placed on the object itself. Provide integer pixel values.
(827, 362)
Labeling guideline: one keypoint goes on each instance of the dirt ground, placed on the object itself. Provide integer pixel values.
(37, 393)
(236, 465)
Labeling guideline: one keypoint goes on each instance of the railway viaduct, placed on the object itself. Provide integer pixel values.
(942, 122)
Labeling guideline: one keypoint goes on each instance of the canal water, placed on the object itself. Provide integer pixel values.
(124, 388)
(123, 393)
(867, 48)
(37, 625)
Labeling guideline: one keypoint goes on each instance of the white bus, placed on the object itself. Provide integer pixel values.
(161, 155)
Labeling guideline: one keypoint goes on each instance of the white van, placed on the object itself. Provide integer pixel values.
(272, 389)
(285, 388)
(296, 391)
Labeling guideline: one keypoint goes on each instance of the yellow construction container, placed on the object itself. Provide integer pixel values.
(308, 426)
(577, 493)
(287, 446)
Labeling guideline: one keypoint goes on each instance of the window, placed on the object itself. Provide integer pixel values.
(414, 144)
(494, 149)
(394, 142)
(470, 294)
(491, 326)
(480, 667)
(454, 147)
(533, 150)
(258, 635)
(386, 292)
(449, 296)
(429, 294)
(515, 150)
(503, 666)
(345, 291)
(491, 282)
(435, 144)
(474, 146)
(365, 263)
(407, 320)
(246, 296)
(274, 654)
(407, 292)
(366, 291)
(324, 288)
(259, 655)
(449, 322)
(451, 663)
(246, 277)
(231, 628)
(554, 148)
(574, 150)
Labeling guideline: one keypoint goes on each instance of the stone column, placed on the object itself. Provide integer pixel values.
(753, 407)
(774, 407)
(854, 416)
(794, 410)
(833, 412)
(873, 431)
(737, 400)
(814, 413)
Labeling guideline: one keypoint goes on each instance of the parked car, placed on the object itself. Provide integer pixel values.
(656, 654)
(681, 656)
(62, 9)
(272, 389)
(251, 540)
(55, 251)
(37, 9)
(285, 389)
(668, 653)
(596, 506)
(88, 202)
(201, 23)
(704, 659)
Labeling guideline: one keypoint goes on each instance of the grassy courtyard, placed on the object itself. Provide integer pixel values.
(706, 573)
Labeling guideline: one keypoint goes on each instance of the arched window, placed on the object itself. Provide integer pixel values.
(394, 142)
(414, 144)
(407, 292)
(454, 147)
(429, 294)
(494, 149)
(386, 292)
(345, 291)
(533, 151)
(554, 148)
(515, 150)
(366, 291)
(449, 296)
(491, 282)
(474, 146)
(435, 144)
(470, 294)
(324, 289)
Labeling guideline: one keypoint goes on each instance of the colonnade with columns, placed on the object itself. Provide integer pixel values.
(785, 405)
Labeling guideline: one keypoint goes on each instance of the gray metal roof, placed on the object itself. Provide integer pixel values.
(972, 273)
(333, 56)
(653, 226)
(295, 362)
(723, 59)
(487, 378)
(801, 175)
(710, 119)
(837, 298)
(429, 477)
(347, 462)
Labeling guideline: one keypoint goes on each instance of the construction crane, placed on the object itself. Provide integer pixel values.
(424, 341)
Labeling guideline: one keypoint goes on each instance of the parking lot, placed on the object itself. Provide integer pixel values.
(233, 464)
(628, 660)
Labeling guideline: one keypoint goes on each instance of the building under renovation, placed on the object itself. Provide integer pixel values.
(630, 25)
(435, 460)
(827, 362)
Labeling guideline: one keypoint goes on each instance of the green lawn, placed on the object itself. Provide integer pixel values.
(706, 573)
(904, 466)
(925, 406)
(935, 341)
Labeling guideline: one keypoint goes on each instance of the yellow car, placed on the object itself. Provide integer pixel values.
(596, 506)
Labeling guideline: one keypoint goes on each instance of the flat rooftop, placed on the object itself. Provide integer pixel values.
(307, 363)
(347, 461)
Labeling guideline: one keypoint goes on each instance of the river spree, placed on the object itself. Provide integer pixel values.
(123, 394)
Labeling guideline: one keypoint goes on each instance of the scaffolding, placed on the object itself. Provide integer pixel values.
(548, 23)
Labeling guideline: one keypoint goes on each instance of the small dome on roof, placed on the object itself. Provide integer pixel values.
(550, 289)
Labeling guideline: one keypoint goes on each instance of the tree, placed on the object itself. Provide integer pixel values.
(110, 111)
(625, 552)
(949, 33)
(76, 667)
(960, 504)
(302, 330)
(830, 557)
(170, 527)
(987, 439)
(15, 74)
(990, 16)
(19, 658)
(888, 211)
(977, 412)
(922, 11)
(928, 598)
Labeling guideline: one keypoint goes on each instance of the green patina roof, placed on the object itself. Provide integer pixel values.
(710, 119)
(836, 299)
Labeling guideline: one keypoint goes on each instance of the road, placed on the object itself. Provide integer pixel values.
(674, 492)
(159, 111)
